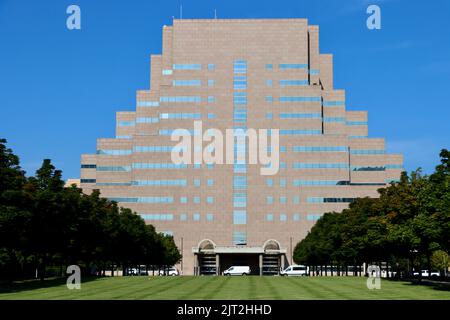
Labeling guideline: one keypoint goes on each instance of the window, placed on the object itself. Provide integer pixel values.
(196, 217)
(88, 166)
(366, 151)
(114, 168)
(240, 66)
(269, 66)
(298, 183)
(147, 120)
(269, 217)
(394, 166)
(269, 99)
(167, 72)
(269, 182)
(239, 200)
(296, 217)
(299, 165)
(211, 83)
(296, 200)
(368, 168)
(283, 200)
(313, 217)
(269, 83)
(211, 66)
(314, 72)
(240, 182)
(210, 182)
(239, 238)
(197, 182)
(183, 200)
(162, 183)
(87, 180)
(333, 103)
(283, 217)
(282, 182)
(269, 115)
(299, 132)
(356, 123)
(177, 99)
(334, 119)
(192, 66)
(166, 165)
(284, 66)
(269, 200)
(299, 99)
(211, 116)
(240, 97)
(186, 83)
(183, 217)
(125, 123)
(211, 99)
(329, 200)
(239, 217)
(155, 199)
(157, 216)
(209, 200)
(300, 116)
(107, 184)
(319, 149)
(197, 200)
(181, 115)
(148, 103)
(122, 152)
(285, 83)
(209, 217)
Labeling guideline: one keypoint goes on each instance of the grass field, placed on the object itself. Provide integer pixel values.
(236, 288)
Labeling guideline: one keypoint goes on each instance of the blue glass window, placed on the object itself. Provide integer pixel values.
(191, 66)
(186, 83)
(293, 66)
(239, 238)
(239, 217)
(269, 217)
(285, 83)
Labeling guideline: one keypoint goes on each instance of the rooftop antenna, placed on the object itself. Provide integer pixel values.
(181, 12)
(215, 13)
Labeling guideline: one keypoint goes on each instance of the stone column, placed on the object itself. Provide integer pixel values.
(260, 264)
(195, 264)
(217, 264)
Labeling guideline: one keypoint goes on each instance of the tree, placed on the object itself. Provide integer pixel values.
(440, 261)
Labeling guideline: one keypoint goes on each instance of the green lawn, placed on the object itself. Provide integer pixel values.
(236, 288)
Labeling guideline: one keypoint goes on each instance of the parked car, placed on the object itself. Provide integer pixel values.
(426, 273)
(295, 270)
(237, 271)
(172, 271)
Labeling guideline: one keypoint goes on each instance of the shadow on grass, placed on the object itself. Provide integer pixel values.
(436, 285)
(25, 285)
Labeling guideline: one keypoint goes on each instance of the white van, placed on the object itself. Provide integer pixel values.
(295, 270)
(237, 271)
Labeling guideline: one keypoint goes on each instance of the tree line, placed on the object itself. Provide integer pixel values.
(44, 224)
(407, 227)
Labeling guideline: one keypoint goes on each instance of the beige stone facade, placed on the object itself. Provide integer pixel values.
(249, 73)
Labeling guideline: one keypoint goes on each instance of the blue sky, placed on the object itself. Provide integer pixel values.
(60, 89)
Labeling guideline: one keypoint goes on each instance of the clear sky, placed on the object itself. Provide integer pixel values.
(60, 89)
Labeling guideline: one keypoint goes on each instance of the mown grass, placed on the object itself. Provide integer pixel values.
(235, 288)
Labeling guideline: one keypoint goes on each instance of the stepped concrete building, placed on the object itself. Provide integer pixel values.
(232, 74)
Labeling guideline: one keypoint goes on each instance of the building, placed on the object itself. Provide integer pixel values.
(243, 73)
(71, 182)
